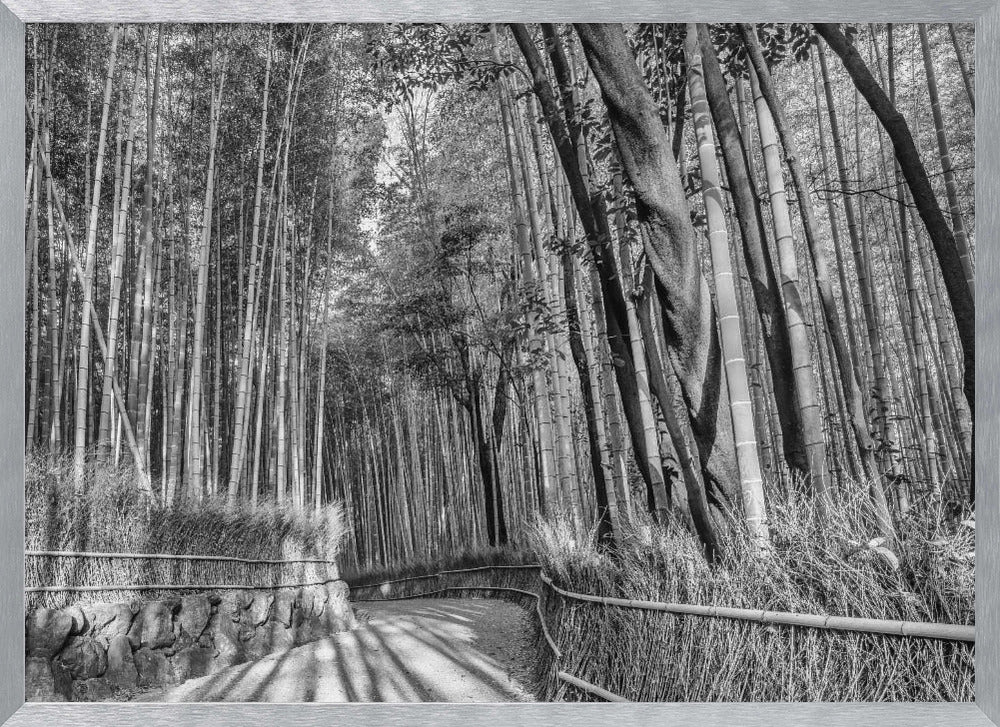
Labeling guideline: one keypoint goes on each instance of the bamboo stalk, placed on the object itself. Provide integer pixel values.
(493, 567)
(96, 323)
(729, 322)
(930, 630)
(948, 632)
(591, 688)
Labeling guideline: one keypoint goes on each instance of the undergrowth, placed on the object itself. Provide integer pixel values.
(822, 563)
(111, 515)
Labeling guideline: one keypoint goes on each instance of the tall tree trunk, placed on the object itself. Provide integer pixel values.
(496, 524)
(83, 362)
(35, 332)
(848, 376)
(56, 352)
(195, 440)
(323, 354)
(79, 270)
(963, 67)
(549, 471)
(249, 316)
(862, 262)
(657, 501)
(734, 360)
(782, 325)
(31, 256)
(607, 511)
(956, 264)
(149, 245)
(567, 135)
(950, 185)
(690, 320)
(265, 345)
(118, 236)
(545, 347)
(280, 396)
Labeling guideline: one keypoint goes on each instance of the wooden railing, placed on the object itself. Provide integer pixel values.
(914, 629)
(169, 556)
(171, 586)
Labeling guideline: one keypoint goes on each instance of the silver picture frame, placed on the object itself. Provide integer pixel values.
(16, 713)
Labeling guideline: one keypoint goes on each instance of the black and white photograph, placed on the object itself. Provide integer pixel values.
(499, 362)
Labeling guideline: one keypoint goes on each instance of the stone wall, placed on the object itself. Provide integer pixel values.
(97, 651)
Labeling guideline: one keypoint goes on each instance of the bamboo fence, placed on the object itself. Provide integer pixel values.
(914, 629)
(942, 631)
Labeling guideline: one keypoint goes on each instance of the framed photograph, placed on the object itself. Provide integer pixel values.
(443, 362)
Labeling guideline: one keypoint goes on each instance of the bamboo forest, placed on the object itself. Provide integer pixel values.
(516, 316)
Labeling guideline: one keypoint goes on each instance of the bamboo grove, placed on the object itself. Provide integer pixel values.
(460, 276)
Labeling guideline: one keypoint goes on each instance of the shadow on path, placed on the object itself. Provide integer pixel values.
(426, 650)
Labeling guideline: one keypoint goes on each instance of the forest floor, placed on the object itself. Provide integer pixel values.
(421, 650)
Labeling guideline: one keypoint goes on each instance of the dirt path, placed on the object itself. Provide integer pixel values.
(423, 650)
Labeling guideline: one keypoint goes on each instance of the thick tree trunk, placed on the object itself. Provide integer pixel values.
(690, 321)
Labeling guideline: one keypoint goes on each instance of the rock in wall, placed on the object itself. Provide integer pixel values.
(97, 651)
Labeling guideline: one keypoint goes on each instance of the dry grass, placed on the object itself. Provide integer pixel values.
(111, 515)
(832, 564)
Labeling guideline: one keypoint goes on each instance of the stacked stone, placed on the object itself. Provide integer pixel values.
(99, 651)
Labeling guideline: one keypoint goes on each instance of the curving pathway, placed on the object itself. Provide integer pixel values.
(421, 650)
